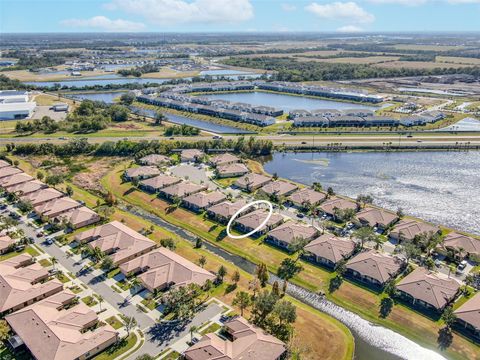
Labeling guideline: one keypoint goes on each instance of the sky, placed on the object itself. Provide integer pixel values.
(347, 16)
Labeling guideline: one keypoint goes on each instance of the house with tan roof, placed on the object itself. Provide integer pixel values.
(278, 188)
(161, 269)
(231, 170)
(155, 184)
(15, 179)
(224, 159)
(52, 329)
(6, 243)
(203, 199)
(252, 220)
(223, 211)
(460, 246)
(330, 205)
(468, 317)
(286, 233)
(9, 171)
(22, 282)
(56, 207)
(26, 187)
(154, 160)
(306, 197)
(79, 217)
(375, 217)
(42, 196)
(191, 155)
(429, 290)
(117, 241)
(181, 190)
(374, 268)
(408, 229)
(240, 340)
(252, 182)
(140, 173)
(4, 163)
(328, 250)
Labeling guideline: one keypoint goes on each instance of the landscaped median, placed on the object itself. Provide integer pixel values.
(351, 296)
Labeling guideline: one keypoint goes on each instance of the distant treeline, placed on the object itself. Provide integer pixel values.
(139, 70)
(287, 69)
(250, 147)
(35, 62)
(8, 84)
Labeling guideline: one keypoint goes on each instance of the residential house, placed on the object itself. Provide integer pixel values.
(330, 205)
(306, 197)
(375, 217)
(53, 329)
(252, 182)
(41, 196)
(161, 269)
(9, 171)
(231, 170)
(154, 160)
(278, 188)
(240, 341)
(6, 243)
(429, 290)
(79, 217)
(15, 179)
(23, 282)
(329, 249)
(467, 317)
(202, 200)
(374, 268)
(159, 182)
(224, 211)
(287, 233)
(252, 220)
(4, 164)
(224, 159)
(181, 190)
(117, 241)
(408, 229)
(191, 155)
(56, 207)
(140, 173)
(460, 246)
(26, 187)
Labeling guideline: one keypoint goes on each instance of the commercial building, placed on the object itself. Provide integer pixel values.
(15, 105)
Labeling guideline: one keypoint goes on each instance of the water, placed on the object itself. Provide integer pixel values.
(107, 97)
(288, 102)
(441, 187)
(466, 124)
(430, 91)
(203, 125)
(223, 72)
(101, 80)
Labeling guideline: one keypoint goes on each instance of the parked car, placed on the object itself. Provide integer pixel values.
(3, 207)
(461, 267)
(300, 215)
(48, 241)
(438, 263)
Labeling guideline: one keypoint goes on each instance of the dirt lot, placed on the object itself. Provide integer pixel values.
(45, 110)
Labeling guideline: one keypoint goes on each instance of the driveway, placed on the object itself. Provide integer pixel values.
(194, 174)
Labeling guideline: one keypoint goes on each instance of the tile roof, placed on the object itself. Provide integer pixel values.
(290, 230)
(254, 219)
(224, 159)
(233, 168)
(410, 228)
(204, 199)
(331, 247)
(331, 204)
(226, 208)
(470, 311)
(278, 188)
(15, 179)
(80, 215)
(27, 187)
(5, 242)
(252, 180)
(9, 171)
(375, 265)
(432, 288)
(458, 241)
(160, 181)
(42, 195)
(308, 196)
(183, 189)
(374, 216)
(154, 159)
(57, 206)
(142, 171)
(4, 163)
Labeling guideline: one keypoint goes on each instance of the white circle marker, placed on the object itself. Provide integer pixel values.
(270, 212)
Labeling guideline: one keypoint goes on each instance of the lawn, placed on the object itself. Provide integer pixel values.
(211, 329)
(89, 301)
(149, 304)
(124, 285)
(172, 356)
(32, 251)
(114, 351)
(75, 289)
(29, 250)
(62, 277)
(114, 322)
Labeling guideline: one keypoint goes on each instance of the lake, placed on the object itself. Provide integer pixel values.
(441, 187)
(107, 97)
(287, 102)
(101, 80)
(203, 125)
(466, 124)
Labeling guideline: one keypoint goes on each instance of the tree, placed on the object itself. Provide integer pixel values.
(159, 118)
(298, 245)
(364, 234)
(262, 274)
(330, 192)
(107, 263)
(130, 322)
(40, 175)
(362, 200)
(317, 186)
(400, 213)
(69, 190)
(242, 300)
(236, 277)
(144, 357)
(221, 273)
(127, 99)
(276, 288)
(100, 300)
(386, 306)
(288, 269)
(411, 250)
(202, 261)
(198, 243)
(105, 211)
(4, 330)
(263, 305)
(193, 328)
(169, 243)
(54, 261)
(110, 199)
(448, 317)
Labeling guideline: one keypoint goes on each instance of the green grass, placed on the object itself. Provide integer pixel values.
(32, 251)
(89, 301)
(149, 304)
(114, 322)
(113, 272)
(116, 289)
(124, 285)
(116, 350)
(75, 289)
(62, 277)
(29, 250)
(211, 329)
(172, 356)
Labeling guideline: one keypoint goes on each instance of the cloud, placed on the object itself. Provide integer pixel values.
(170, 12)
(288, 7)
(104, 23)
(346, 11)
(400, 2)
(349, 29)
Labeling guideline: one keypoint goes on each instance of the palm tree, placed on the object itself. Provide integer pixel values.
(100, 301)
(193, 328)
(54, 261)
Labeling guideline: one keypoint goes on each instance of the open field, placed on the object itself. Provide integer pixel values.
(427, 47)
(352, 60)
(419, 65)
(457, 60)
